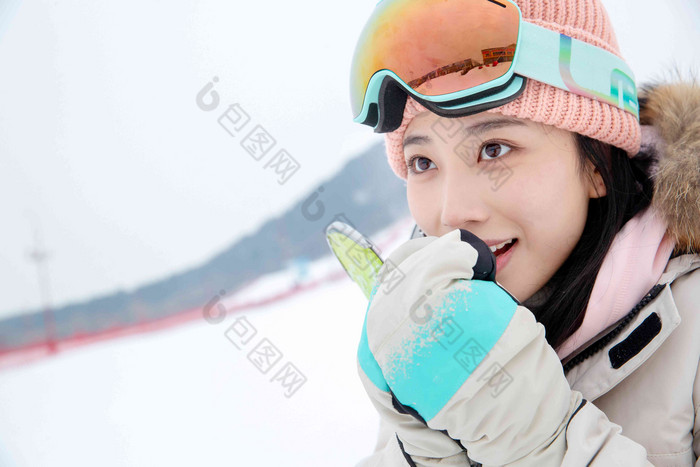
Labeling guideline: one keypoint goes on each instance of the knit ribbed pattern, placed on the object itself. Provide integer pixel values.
(585, 20)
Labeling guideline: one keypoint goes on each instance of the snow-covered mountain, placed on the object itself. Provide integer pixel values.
(364, 193)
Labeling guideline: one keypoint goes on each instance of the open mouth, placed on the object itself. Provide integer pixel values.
(503, 247)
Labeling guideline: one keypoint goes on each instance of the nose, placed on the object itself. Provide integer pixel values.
(464, 198)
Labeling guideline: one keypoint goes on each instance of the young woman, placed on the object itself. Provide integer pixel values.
(519, 123)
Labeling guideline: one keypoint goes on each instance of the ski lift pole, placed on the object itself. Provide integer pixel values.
(40, 256)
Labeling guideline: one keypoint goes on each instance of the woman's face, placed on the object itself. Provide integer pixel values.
(501, 178)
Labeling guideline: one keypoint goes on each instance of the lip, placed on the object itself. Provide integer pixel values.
(498, 242)
(502, 260)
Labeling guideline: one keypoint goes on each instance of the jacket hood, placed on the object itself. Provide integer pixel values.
(670, 115)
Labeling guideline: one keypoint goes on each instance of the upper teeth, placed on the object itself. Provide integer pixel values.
(497, 247)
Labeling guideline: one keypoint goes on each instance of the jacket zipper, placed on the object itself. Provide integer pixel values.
(604, 340)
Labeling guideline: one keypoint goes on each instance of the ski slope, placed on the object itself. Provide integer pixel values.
(187, 396)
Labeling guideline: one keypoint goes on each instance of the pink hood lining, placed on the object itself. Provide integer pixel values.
(633, 265)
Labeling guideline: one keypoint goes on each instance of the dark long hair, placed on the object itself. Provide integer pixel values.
(629, 190)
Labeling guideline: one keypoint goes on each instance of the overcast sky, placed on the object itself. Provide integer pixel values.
(104, 151)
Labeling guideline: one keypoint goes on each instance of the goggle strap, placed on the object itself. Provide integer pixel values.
(546, 56)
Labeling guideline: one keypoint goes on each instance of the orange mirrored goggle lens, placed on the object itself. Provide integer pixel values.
(435, 46)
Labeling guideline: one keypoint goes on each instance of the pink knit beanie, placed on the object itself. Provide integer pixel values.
(585, 20)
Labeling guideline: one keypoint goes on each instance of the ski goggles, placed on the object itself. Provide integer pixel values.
(460, 57)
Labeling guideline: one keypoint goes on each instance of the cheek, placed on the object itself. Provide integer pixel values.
(553, 212)
(551, 194)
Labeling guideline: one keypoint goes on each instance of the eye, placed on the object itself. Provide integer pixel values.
(423, 164)
(493, 150)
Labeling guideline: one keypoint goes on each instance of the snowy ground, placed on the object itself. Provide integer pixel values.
(187, 396)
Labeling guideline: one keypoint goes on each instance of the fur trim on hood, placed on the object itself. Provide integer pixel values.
(672, 112)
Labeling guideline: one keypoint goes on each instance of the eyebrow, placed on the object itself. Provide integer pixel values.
(476, 129)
